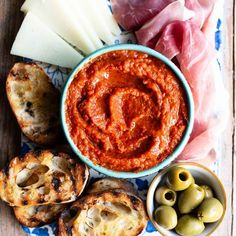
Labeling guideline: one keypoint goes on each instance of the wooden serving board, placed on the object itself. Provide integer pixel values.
(10, 20)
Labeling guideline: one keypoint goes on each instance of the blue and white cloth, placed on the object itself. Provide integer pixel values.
(59, 76)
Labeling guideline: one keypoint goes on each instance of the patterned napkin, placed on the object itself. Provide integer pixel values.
(59, 76)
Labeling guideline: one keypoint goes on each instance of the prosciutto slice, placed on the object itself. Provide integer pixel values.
(202, 9)
(197, 61)
(131, 14)
(173, 12)
(171, 28)
(186, 41)
(209, 27)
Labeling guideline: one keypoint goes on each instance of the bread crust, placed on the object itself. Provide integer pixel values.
(106, 213)
(111, 184)
(35, 103)
(42, 177)
(34, 216)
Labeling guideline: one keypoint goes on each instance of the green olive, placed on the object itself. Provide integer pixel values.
(165, 196)
(189, 225)
(190, 198)
(210, 210)
(208, 191)
(179, 179)
(166, 217)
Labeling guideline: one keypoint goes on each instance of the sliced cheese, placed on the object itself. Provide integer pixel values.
(36, 41)
(80, 15)
(97, 20)
(56, 14)
(29, 4)
(108, 17)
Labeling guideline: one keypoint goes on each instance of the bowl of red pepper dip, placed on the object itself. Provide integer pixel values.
(127, 111)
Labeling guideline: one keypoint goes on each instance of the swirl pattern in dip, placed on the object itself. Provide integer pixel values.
(126, 111)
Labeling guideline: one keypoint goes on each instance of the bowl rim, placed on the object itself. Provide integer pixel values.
(182, 164)
(184, 84)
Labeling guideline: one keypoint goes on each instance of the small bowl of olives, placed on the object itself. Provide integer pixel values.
(186, 199)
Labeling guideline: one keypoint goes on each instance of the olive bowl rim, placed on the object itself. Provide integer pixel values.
(154, 185)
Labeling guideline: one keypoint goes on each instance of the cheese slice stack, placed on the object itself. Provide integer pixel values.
(56, 14)
(82, 23)
(109, 18)
(96, 17)
(36, 41)
(82, 19)
(57, 31)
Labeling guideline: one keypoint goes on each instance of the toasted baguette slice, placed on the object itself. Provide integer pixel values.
(111, 184)
(42, 177)
(35, 103)
(107, 213)
(33, 216)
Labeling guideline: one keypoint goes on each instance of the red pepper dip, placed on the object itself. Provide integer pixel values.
(126, 111)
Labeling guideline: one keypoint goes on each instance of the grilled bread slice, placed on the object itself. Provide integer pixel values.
(110, 184)
(35, 103)
(42, 177)
(106, 213)
(33, 216)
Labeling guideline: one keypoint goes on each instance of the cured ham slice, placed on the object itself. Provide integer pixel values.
(209, 28)
(187, 42)
(131, 14)
(197, 61)
(202, 9)
(171, 28)
(173, 12)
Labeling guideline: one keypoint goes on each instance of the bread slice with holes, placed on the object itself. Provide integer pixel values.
(35, 103)
(34, 216)
(106, 213)
(111, 184)
(42, 177)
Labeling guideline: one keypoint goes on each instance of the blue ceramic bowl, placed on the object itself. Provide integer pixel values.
(182, 81)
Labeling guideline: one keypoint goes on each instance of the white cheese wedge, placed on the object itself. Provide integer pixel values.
(108, 17)
(97, 20)
(80, 15)
(36, 41)
(57, 15)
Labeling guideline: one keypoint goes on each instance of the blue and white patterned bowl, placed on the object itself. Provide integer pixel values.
(184, 85)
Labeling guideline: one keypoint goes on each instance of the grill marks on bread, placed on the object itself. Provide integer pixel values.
(110, 208)
(111, 184)
(33, 216)
(41, 178)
